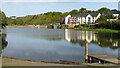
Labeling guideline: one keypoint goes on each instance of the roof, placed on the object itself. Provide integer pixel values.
(80, 15)
(72, 18)
(113, 12)
(94, 14)
(85, 14)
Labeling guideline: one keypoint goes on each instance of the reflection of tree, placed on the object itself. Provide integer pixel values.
(80, 42)
(3, 42)
(52, 37)
(111, 40)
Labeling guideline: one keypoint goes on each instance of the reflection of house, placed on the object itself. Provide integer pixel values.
(90, 37)
(116, 44)
(81, 18)
(87, 36)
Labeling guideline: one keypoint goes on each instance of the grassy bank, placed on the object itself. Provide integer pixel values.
(97, 29)
(86, 27)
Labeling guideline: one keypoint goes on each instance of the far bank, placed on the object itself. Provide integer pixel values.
(84, 28)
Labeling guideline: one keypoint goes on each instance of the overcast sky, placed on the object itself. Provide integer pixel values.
(60, 0)
(31, 7)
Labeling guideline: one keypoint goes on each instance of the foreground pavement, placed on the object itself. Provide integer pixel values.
(18, 62)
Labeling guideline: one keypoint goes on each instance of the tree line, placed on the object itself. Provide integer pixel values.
(53, 17)
(3, 19)
(49, 17)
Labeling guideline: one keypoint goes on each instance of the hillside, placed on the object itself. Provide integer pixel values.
(49, 17)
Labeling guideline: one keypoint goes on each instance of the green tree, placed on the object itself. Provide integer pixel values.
(65, 13)
(102, 19)
(3, 18)
(110, 16)
(74, 12)
(102, 10)
(82, 10)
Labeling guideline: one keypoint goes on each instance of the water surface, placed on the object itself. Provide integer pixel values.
(53, 45)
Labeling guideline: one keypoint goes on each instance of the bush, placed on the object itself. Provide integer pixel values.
(85, 25)
(110, 25)
(76, 26)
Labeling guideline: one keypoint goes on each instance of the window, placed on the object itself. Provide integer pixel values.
(89, 19)
(93, 19)
(79, 21)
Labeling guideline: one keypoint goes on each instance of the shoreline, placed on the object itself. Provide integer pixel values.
(65, 62)
(10, 61)
(83, 29)
(21, 26)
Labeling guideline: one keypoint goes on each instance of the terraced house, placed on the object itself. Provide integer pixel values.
(81, 18)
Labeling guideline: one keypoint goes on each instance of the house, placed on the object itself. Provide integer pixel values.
(13, 17)
(115, 12)
(81, 18)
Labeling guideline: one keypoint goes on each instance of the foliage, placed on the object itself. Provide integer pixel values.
(103, 18)
(111, 25)
(40, 19)
(102, 10)
(3, 18)
(82, 10)
(85, 25)
(103, 23)
(74, 12)
(53, 17)
(109, 16)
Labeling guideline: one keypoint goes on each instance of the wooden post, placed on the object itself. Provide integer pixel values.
(86, 52)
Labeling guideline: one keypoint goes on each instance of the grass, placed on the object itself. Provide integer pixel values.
(96, 29)
(107, 30)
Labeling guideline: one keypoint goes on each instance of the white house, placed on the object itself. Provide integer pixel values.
(82, 18)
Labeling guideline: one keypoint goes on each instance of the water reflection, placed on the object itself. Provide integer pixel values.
(3, 42)
(84, 38)
(58, 44)
(111, 40)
